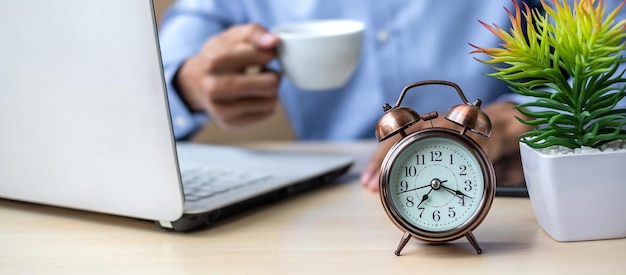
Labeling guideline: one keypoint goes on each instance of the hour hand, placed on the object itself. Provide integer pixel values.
(456, 192)
(424, 198)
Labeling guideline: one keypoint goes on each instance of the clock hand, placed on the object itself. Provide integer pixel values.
(416, 188)
(425, 197)
(455, 192)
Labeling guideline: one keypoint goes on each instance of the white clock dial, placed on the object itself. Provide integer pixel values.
(436, 184)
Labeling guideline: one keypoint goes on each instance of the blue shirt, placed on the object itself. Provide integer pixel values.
(404, 42)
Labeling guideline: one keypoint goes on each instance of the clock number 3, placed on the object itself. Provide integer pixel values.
(468, 185)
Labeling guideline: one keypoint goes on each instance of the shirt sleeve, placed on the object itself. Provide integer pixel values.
(186, 26)
(184, 122)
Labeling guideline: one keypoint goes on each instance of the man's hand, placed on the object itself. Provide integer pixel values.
(226, 78)
(500, 147)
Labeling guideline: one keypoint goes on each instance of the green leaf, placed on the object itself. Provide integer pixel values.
(548, 104)
(576, 42)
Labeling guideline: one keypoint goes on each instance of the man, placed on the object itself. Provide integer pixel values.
(208, 45)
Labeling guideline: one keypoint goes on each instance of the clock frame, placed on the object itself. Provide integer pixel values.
(469, 116)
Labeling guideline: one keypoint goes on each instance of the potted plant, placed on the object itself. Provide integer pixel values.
(567, 61)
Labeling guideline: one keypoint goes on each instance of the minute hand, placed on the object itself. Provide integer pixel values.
(455, 192)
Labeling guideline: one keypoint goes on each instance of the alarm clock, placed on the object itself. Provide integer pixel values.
(436, 184)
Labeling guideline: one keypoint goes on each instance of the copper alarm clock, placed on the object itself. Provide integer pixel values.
(436, 184)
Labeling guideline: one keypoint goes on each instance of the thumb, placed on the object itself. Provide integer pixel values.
(265, 40)
(371, 173)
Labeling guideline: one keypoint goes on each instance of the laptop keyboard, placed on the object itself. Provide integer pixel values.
(203, 182)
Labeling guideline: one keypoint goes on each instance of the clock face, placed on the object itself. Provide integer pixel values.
(435, 182)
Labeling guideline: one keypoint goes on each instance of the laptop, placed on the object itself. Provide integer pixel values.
(85, 123)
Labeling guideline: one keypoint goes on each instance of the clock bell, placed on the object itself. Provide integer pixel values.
(398, 118)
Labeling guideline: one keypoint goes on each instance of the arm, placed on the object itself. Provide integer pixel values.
(205, 51)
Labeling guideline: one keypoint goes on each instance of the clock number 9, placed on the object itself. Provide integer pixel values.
(404, 185)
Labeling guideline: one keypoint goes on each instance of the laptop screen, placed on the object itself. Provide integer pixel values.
(84, 110)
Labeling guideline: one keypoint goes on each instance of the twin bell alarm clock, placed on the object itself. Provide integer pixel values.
(436, 184)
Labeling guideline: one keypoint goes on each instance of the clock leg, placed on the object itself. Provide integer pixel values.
(403, 241)
(470, 237)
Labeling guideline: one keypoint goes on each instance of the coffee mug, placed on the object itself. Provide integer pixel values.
(319, 55)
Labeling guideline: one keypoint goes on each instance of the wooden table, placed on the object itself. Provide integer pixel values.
(339, 229)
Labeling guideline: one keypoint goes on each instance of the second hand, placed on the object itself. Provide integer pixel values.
(416, 188)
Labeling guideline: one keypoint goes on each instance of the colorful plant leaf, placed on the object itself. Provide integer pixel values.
(580, 42)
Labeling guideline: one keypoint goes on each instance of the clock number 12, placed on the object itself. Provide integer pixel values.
(435, 156)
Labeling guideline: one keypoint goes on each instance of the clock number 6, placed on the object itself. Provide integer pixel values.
(436, 216)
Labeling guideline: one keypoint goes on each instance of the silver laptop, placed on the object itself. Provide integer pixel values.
(85, 123)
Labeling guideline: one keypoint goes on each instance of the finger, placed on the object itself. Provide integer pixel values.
(371, 173)
(258, 36)
(370, 179)
(232, 110)
(250, 33)
(265, 41)
(367, 175)
(246, 119)
(239, 47)
(239, 57)
(373, 185)
(231, 87)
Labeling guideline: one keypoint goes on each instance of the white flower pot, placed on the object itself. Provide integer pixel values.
(577, 197)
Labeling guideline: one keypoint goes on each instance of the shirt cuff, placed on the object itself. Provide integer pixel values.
(184, 122)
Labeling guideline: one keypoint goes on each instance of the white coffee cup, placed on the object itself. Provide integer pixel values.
(320, 55)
